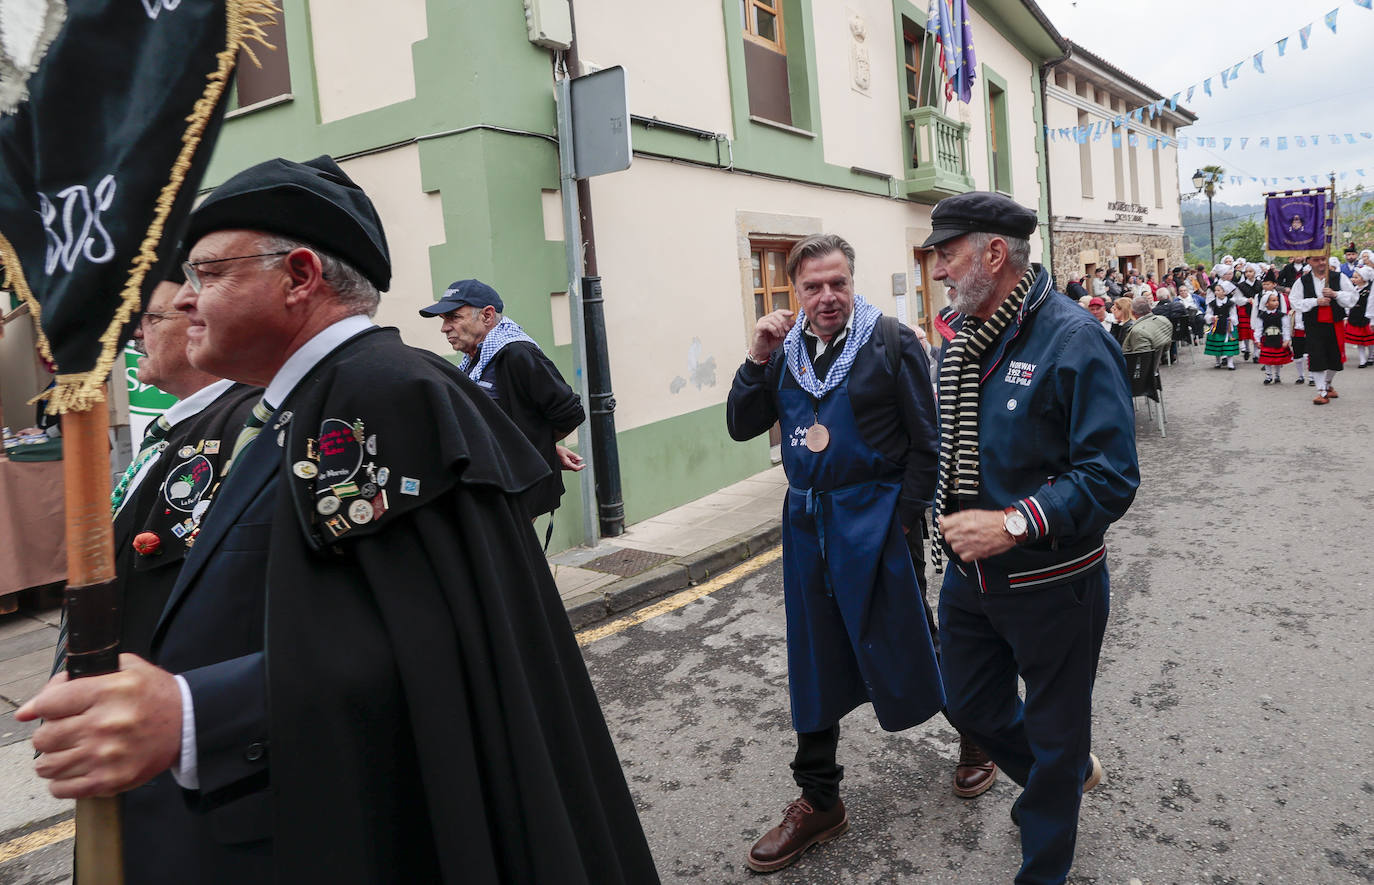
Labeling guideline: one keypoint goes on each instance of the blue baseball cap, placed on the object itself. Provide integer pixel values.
(471, 292)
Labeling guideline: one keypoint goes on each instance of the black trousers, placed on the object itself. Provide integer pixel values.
(815, 767)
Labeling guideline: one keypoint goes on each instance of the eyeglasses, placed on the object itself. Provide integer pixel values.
(193, 278)
(151, 318)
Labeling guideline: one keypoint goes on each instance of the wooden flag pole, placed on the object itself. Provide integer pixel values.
(92, 614)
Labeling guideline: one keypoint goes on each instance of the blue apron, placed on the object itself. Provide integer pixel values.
(856, 623)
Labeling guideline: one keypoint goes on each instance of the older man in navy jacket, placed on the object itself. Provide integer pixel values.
(1037, 459)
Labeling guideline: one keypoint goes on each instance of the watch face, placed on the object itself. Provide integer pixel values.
(1016, 524)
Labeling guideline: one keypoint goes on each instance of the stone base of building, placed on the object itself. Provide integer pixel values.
(1126, 250)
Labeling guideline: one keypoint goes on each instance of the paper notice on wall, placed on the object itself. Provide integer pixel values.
(901, 308)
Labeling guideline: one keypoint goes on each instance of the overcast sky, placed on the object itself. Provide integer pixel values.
(1172, 44)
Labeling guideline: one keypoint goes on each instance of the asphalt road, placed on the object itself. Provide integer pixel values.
(1233, 704)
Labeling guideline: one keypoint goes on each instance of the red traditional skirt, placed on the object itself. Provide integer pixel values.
(1360, 336)
(1274, 356)
(1247, 332)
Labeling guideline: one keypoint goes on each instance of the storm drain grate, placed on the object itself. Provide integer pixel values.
(626, 562)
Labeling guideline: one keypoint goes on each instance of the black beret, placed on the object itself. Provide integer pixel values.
(314, 202)
(980, 212)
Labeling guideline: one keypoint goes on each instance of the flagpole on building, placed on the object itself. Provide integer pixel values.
(92, 614)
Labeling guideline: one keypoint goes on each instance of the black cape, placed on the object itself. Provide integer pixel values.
(431, 715)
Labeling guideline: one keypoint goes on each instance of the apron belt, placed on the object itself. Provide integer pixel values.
(815, 508)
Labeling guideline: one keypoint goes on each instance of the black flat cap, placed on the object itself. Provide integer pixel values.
(314, 202)
(980, 212)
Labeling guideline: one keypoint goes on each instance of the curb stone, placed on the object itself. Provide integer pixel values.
(586, 609)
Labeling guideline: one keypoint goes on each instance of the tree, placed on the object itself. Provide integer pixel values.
(1246, 240)
(1213, 174)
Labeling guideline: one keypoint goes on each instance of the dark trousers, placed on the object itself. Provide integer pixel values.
(815, 768)
(1051, 638)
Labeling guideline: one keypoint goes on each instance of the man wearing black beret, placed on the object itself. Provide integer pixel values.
(364, 672)
(1037, 459)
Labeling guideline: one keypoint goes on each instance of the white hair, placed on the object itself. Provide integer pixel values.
(355, 291)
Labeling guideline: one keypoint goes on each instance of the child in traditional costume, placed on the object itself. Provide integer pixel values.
(1274, 331)
(1223, 340)
(1358, 330)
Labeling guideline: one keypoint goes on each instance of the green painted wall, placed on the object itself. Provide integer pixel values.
(490, 185)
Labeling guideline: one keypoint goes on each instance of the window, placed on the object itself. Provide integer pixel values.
(762, 21)
(920, 64)
(1085, 156)
(1159, 185)
(765, 60)
(1118, 148)
(273, 80)
(1134, 155)
(772, 290)
(999, 144)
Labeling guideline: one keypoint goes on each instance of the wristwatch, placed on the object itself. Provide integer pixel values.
(1014, 521)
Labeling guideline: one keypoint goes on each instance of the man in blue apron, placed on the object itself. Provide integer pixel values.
(1037, 459)
(853, 395)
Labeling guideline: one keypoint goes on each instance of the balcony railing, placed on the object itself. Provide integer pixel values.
(937, 156)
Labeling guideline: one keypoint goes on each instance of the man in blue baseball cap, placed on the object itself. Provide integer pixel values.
(510, 367)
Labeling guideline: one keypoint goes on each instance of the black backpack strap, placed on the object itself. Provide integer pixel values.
(892, 343)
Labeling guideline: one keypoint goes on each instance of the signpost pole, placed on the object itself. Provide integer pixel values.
(572, 239)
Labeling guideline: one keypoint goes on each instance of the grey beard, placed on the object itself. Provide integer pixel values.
(973, 293)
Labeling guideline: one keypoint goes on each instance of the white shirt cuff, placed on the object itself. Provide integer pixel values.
(184, 772)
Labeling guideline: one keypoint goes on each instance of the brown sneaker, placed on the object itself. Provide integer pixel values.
(802, 826)
(1332, 394)
(974, 774)
(1320, 400)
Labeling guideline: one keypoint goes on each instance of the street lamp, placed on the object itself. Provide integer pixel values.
(1201, 178)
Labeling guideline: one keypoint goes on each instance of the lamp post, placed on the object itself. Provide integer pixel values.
(1201, 178)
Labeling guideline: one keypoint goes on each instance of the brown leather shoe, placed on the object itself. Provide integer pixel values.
(974, 774)
(1332, 394)
(802, 826)
(1320, 400)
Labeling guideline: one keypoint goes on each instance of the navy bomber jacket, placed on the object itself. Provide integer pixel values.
(1057, 439)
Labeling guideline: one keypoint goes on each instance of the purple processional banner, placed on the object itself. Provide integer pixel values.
(1297, 222)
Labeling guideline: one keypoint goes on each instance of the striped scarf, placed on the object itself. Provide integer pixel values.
(505, 332)
(960, 390)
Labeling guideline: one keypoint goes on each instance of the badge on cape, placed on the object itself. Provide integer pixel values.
(360, 512)
(188, 482)
(341, 451)
(328, 505)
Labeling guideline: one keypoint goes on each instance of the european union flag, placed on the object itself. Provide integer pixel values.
(952, 25)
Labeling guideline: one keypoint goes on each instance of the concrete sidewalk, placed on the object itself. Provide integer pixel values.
(673, 550)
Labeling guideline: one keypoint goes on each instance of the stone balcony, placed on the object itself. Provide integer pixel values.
(937, 156)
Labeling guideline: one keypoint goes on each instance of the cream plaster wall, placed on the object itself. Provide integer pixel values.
(676, 275)
(414, 222)
(673, 53)
(362, 53)
(861, 128)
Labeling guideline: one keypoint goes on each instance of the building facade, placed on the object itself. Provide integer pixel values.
(754, 123)
(1114, 197)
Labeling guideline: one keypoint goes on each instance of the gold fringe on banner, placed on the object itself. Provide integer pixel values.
(244, 23)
